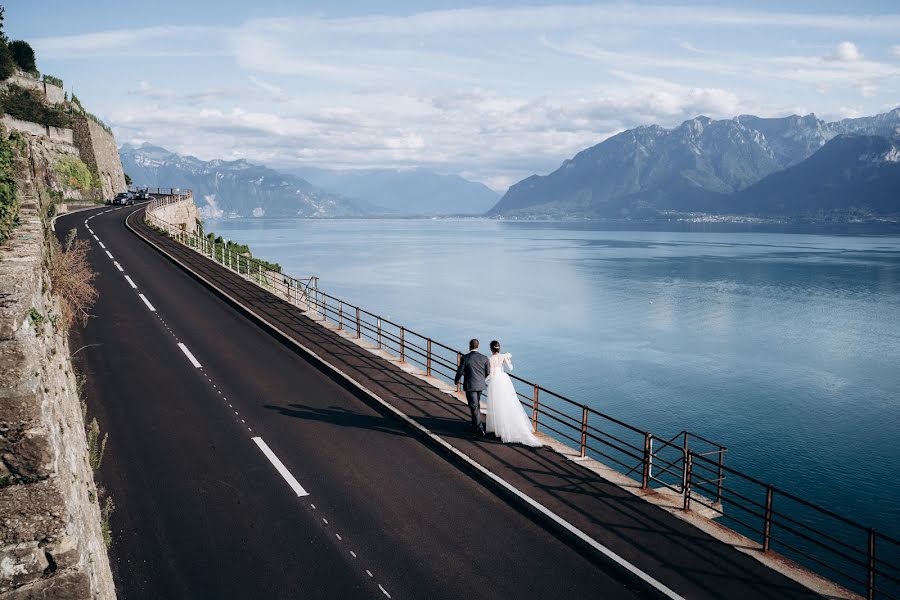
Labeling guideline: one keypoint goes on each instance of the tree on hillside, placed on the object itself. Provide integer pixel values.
(127, 179)
(24, 56)
(7, 64)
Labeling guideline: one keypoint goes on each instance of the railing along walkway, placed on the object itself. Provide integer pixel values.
(673, 551)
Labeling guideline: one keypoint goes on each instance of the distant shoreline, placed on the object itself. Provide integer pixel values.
(870, 228)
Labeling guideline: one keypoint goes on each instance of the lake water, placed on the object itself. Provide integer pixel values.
(783, 346)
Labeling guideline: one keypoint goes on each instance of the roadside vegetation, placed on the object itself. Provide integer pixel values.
(28, 105)
(239, 253)
(74, 174)
(9, 204)
(72, 278)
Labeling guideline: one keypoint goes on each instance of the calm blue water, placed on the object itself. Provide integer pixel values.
(782, 346)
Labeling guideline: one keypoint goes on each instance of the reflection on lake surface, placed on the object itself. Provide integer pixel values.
(781, 345)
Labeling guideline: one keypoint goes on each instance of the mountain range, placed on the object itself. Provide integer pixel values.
(795, 167)
(242, 188)
(407, 192)
(235, 188)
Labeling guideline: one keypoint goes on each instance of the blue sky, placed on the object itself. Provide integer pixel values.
(493, 91)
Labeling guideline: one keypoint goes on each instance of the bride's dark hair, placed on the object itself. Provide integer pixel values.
(495, 346)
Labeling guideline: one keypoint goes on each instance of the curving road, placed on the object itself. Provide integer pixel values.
(240, 470)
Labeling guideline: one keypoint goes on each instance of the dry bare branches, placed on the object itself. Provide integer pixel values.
(72, 278)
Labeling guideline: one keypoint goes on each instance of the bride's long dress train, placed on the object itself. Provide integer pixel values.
(505, 417)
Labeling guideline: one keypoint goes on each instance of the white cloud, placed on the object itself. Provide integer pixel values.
(868, 91)
(493, 92)
(896, 50)
(191, 40)
(845, 52)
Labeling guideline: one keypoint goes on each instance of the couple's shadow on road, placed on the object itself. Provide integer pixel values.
(341, 417)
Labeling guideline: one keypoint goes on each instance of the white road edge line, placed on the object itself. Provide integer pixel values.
(147, 302)
(130, 282)
(109, 255)
(101, 244)
(291, 481)
(118, 266)
(190, 356)
(95, 237)
(525, 498)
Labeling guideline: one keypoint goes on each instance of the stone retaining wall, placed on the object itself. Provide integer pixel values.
(183, 214)
(55, 134)
(51, 542)
(53, 93)
(99, 152)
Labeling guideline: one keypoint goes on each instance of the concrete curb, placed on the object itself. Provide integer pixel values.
(533, 507)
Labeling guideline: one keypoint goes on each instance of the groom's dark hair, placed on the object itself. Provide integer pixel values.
(473, 344)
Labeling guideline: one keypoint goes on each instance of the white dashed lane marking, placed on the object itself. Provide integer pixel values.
(147, 302)
(269, 454)
(279, 466)
(189, 355)
(101, 245)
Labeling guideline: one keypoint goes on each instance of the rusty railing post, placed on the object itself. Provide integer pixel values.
(767, 526)
(325, 308)
(379, 333)
(720, 476)
(584, 419)
(428, 360)
(688, 469)
(870, 592)
(341, 314)
(648, 454)
(534, 408)
(358, 332)
(458, 362)
(403, 344)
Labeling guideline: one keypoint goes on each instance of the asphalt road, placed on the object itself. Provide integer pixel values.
(202, 511)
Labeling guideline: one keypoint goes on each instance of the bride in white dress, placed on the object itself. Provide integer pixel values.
(505, 417)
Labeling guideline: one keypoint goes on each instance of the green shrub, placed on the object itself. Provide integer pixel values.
(53, 80)
(73, 173)
(9, 205)
(7, 64)
(23, 55)
(37, 320)
(28, 105)
(105, 513)
(18, 140)
(96, 444)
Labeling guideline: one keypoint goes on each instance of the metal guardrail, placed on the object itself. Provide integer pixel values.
(687, 466)
(180, 193)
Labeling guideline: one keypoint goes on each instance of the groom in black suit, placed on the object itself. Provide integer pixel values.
(473, 370)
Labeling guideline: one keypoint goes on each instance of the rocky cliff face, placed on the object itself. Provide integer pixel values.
(51, 541)
(859, 174)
